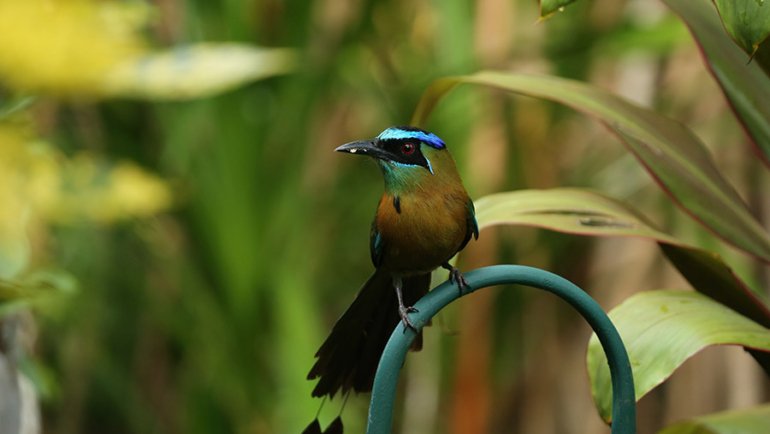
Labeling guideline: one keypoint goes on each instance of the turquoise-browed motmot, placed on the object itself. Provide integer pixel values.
(423, 219)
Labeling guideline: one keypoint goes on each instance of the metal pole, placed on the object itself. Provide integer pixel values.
(386, 379)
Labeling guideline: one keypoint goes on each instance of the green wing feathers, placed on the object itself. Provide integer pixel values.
(376, 245)
(472, 225)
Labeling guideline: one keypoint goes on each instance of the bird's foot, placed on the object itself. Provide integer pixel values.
(403, 312)
(456, 276)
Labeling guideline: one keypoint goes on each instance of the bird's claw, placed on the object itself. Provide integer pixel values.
(403, 312)
(456, 276)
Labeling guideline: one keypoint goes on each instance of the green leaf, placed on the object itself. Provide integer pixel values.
(747, 21)
(744, 83)
(570, 210)
(661, 330)
(585, 212)
(37, 286)
(709, 275)
(15, 105)
(548, 7)
(672, 154)
(749, 421)
(196, 71)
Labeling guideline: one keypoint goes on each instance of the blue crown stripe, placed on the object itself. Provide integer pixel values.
(423, 136)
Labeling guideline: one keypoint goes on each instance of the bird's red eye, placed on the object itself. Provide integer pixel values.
(408, 148)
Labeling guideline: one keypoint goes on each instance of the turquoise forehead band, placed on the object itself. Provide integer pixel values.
(395, 133)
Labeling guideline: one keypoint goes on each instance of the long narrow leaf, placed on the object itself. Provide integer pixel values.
(744, 83)
(672, 154)
(584, 212)
(570, 210)
(661, 330)
(196, 71)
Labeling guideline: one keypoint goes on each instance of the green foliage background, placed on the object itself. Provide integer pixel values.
(204, 317)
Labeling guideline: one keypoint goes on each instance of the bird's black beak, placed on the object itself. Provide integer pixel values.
(364, 147)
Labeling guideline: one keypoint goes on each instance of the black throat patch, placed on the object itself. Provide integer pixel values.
(397, 204)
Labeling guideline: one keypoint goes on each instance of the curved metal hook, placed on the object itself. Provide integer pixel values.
(386, 379)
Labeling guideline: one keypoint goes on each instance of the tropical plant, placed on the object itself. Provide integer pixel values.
(663, 328)
(175, 219)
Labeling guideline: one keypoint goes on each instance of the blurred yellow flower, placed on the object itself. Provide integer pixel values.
(65, 46)
(92, 190)
(38, 181)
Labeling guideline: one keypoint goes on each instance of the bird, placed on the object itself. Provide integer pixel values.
(423, 219)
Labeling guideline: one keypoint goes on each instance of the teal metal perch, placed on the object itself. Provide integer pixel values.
(386, 379)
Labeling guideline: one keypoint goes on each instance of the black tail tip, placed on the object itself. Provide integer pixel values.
(335, 427)
(315, 428)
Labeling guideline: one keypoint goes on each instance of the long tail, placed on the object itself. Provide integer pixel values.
(348, 358)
